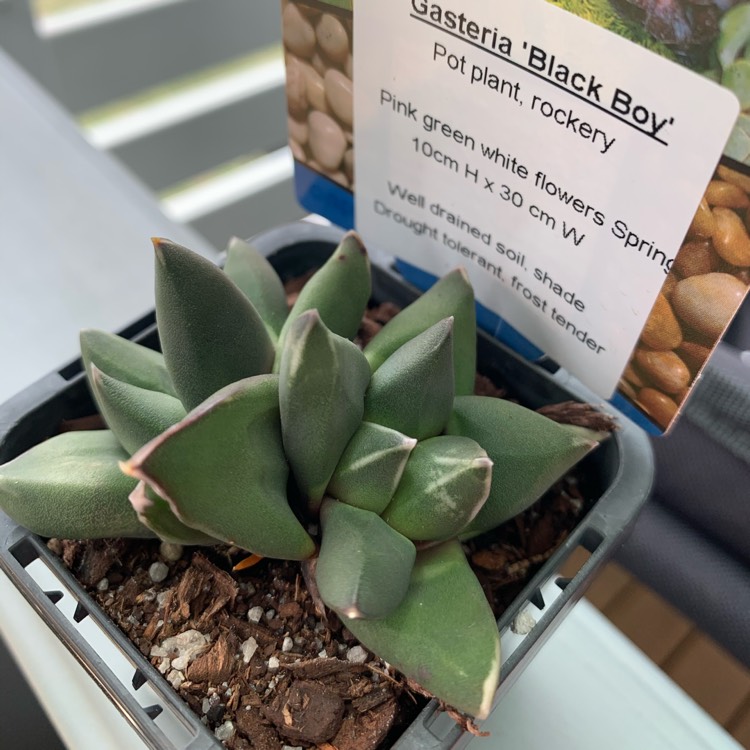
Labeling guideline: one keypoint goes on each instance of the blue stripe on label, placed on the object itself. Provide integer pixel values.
(319, 195)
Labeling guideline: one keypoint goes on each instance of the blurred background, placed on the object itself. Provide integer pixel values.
(187, 94)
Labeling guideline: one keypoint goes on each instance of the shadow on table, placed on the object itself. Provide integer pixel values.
(23, 723)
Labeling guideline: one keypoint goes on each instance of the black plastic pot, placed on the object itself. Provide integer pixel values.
(620, 472)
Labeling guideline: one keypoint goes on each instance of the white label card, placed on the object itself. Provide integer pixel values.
(560, 164)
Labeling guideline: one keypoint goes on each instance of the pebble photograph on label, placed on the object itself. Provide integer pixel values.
(706, 284)
(320, 103)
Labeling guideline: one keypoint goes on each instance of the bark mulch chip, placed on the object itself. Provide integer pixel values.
(280, 681)
(308, 711)
(251, 723)
(217, 664)
(366, 731)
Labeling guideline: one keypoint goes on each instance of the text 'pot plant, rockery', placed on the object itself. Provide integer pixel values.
(270, 430)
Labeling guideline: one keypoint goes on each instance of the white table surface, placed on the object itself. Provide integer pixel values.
(75, 231)
(74, 252)
(590, 688)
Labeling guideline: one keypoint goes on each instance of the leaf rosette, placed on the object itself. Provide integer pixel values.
(268, 428)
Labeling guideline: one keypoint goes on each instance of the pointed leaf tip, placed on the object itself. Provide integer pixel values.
(126, 467)
(124, 360)
(135, 415)
(364, 565)
(446, 481)
(530, 453)
(223, 471)
(451, 295)
(323, 378)
(420, 636)
(352, 241)
(413, 390)
(340, 290)
(258, 281)
(159, 244)
(211, 334)
(463, 273)
(156, 514)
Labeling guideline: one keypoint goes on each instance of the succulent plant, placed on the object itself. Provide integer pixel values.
(271, 430)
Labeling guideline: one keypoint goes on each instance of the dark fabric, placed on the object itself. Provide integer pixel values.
(709, 585)
(706, 487)
(692, 542)
(738, 334)
(703, 465)
(720, 404)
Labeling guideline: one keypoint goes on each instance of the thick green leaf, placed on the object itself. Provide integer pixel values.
(125, 360)
(412, 391)
(259, 282)
(339, 290)
(450, 296)
(223, 472)
(371, 467)
(211, 334)
(70, 487)
(364, 566)
(155, 513)
(443, 635)
(529, 452)
(134, 414)
(323, 379)
(446, 482)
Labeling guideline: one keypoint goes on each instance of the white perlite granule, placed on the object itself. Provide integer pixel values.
(175, 678)
(356, 655)
(225, 731)
(523, 624)
(254, 614)
(158, 572)
(182, 649)
(248, 649)
(170, 552)
(161, 598)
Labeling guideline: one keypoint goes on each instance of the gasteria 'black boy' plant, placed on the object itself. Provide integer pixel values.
(270, 430)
